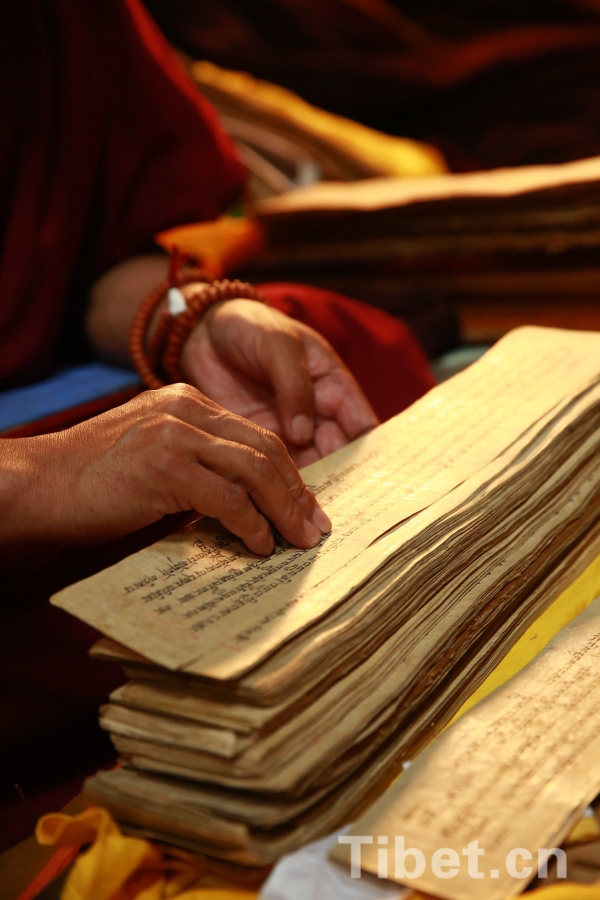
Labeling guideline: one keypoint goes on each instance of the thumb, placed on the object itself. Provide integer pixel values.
(293, 387)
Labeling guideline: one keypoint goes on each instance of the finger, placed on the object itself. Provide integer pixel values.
(215, 496)
(261, 481)
(304, 456)
(356, 415)
(272, 447)
(284, 362)
(339, 398)
(187, 404)
(172, 479)
(329, 437)
(338, 395)
(265, 345)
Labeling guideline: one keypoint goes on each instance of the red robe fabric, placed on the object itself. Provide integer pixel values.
(104, 141)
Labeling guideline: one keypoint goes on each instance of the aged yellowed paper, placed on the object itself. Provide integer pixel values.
(492, 794)
(200, 599)
(381, 193)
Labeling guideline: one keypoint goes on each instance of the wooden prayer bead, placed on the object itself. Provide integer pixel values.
(172, 331)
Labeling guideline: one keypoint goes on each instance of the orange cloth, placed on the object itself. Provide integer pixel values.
(219, 246)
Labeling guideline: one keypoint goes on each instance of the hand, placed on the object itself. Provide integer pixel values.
(164, 452)
(262, 365)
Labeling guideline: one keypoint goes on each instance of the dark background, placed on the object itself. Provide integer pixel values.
(490, 83)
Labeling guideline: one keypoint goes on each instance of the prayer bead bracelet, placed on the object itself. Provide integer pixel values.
(177, 320)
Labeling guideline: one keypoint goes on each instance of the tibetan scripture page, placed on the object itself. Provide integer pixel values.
(486, 800)
(200, 598)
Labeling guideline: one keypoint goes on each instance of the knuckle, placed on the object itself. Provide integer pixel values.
(220, 417)
(234, 497)
(166, 461)
(146, 403)
(169, 430)
(272, 445)
(166, 441)
(260, 465)
(177, 398)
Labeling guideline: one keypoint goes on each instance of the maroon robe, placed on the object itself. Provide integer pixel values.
(104, 141)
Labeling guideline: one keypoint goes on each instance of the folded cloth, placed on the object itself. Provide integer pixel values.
(116, 867)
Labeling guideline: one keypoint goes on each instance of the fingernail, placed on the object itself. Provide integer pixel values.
(321, 520)
(312, 532)
(302, 428)
(271, 541)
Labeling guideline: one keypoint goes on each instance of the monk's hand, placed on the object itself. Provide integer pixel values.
(166, 451)
(279, 373)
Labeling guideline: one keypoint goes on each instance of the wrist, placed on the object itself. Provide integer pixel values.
(113, 300)
(158, 361)
(31, 490)
(190, 353)
(196, 345)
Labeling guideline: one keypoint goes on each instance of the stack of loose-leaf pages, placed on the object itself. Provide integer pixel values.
(513, 245)
(270, 700)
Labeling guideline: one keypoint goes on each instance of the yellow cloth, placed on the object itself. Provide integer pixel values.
(587, 829)
(117, 867)
(374, 153)
(566, 892)
(552, 892)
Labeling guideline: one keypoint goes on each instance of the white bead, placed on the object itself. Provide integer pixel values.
(177, 302)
